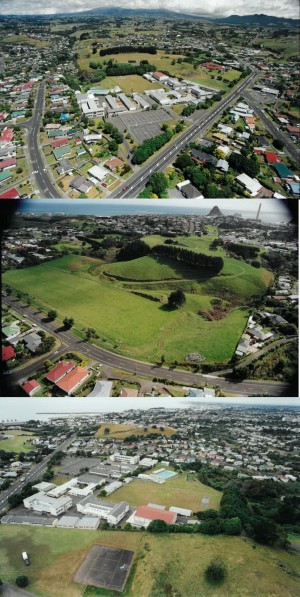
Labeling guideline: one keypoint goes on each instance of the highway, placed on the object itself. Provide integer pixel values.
(271, 126)
(138, 181)
(33, 474)
(72, 343)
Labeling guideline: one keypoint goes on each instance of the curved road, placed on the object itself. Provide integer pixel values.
(138, 181)
(72, 343)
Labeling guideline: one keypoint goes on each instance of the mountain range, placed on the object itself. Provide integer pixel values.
(261, 20)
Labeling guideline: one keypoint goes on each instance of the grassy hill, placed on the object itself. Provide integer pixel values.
(103, 296)
(174, 561)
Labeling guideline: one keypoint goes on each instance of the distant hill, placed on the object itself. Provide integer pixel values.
(118, 11)
(215, 211)
(259, 20)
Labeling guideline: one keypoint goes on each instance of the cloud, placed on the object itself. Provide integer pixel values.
(213, 8)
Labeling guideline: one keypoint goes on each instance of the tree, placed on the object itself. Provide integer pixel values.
(68, 322)
(158, 183)
(264, 531)
(158, 526)
(216, 571)
(133, 250)
(52, 314)
(22, 581)
(176, 299)
(232, 526)
(278, 144)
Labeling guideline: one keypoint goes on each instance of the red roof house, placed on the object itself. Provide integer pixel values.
(8, 353)
(9, 163)
(12, 194)
(60, 142)
(31, 387)
(61, 369)
(7, 134)
(271, 157)
(72, 380)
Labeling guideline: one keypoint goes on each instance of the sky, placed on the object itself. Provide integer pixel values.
(213, 8)
(271, 210)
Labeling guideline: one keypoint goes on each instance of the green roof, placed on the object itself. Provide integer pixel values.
(56, 133)
(5, 175)
(11, 330)
(59, 153)
(282, 170)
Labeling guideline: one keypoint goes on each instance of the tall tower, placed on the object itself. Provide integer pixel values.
(258, 212)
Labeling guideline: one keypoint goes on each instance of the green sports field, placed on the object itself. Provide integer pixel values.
(174, 561)
(102, 296)
(18, 442)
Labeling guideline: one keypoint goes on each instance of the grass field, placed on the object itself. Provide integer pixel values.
(128, 83)
(182, 491)
(26, 40)
(120, 431)
(136, 326)
(174, 561)
(163, 62)
(17, 443)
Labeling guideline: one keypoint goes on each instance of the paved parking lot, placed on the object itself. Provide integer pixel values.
(142, 125)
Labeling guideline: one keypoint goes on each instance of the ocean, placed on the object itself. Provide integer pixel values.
(272, 211)
(23, 409)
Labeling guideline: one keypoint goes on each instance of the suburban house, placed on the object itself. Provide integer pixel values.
(31, 387)
(60, 370)
(70, 382)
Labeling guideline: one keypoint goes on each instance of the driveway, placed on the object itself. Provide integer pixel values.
(11, 591)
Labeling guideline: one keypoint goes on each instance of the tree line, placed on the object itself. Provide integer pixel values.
(209, 262)
(121, 69)
(128, 49)
(149, 147)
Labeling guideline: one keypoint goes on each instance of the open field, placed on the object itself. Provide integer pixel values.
(17, 443)
(128, 83)
(177, 561)
(182, 491)
(120, 431)
(25, 40)
(136, 326)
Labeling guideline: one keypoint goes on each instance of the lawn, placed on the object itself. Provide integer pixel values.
(17, 443)
(176, 561)
(120, 431)
(26, 40)
(182, 491)
(139, 327)
(128, 83)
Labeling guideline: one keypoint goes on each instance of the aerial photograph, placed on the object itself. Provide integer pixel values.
(149, 99)
(149, 258)
(131, 298)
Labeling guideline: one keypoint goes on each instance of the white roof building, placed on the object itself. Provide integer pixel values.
(251, 185)
(40, 502)
(98, 172)
(112, 513)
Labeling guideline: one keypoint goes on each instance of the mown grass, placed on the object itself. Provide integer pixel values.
(182, 491)
(166, 562)
(141, 328)
(18, 443)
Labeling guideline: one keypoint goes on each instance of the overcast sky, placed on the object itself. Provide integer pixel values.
(279, 8)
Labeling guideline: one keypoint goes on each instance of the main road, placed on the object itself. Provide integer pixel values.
(138, 181)
(33, 474)
(71, 343)
(271, 126)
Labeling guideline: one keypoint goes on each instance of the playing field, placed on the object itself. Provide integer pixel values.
(136, 326)
(128, 84)
(119, 431)
(182, 491)
(18, 442)
(177, 561)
